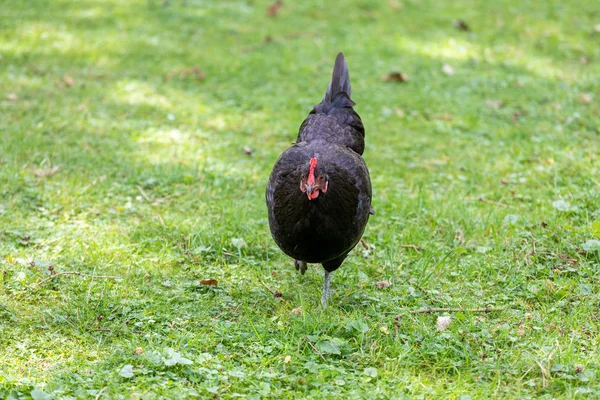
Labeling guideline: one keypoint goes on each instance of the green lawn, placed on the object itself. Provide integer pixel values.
(121, 162)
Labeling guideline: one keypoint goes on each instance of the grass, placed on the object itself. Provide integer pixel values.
(118, 160)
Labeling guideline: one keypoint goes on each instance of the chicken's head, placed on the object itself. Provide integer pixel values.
(313, 183)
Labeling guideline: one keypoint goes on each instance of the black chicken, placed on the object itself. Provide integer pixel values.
(319, 192)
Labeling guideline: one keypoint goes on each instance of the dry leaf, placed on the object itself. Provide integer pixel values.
(12, 96)
(517, 115)
(247, 150)
(138, 351)
(399, 112)
(442, 323)
(383, 284)
(396, 77)
(585, 60)
(297, 311)
(444, 117)
(494, 103)
(184, 72)
(384, 329)
(273, 9)
(209, 282)
(45, 172)
(287, 360)
(461, 25)
(585, 98)
(396, 5)
(69, 81)
(447, 69)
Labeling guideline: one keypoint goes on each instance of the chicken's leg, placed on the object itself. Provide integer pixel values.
(300, 266)
(325, 289)
(329, 267)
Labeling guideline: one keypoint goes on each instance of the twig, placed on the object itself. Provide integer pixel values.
(304, 339)
(316, 350)
(273, 292)
(186, 251)
(412, 246)
(100, 392)
(365, 245)
(113, 330)
(77, 273)
(144, 195)
(429, 310)
(496, 203)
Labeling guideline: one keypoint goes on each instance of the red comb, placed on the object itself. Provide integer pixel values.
(311, 173)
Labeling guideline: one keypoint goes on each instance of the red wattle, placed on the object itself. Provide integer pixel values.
(313, 195)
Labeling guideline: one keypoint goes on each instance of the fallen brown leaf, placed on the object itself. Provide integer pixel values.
(209, 282)
(585, 98)
(12, 96)
(296, 311)
(494, 103)
(443, 117)
(69, 81)
(383, 284)
(273, 9)
(396, 77)
(45, 172)
(517, 115)
(396, 5)
(461, 25)
(459, 237)
(184, 72)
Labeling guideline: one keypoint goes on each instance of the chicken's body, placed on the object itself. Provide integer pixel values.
(324, 224)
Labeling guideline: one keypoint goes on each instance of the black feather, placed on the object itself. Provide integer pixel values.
(324, 229)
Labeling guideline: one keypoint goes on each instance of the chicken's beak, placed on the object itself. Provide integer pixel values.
(312, 191)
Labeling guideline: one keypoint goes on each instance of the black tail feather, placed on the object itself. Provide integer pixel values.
(340, 80)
